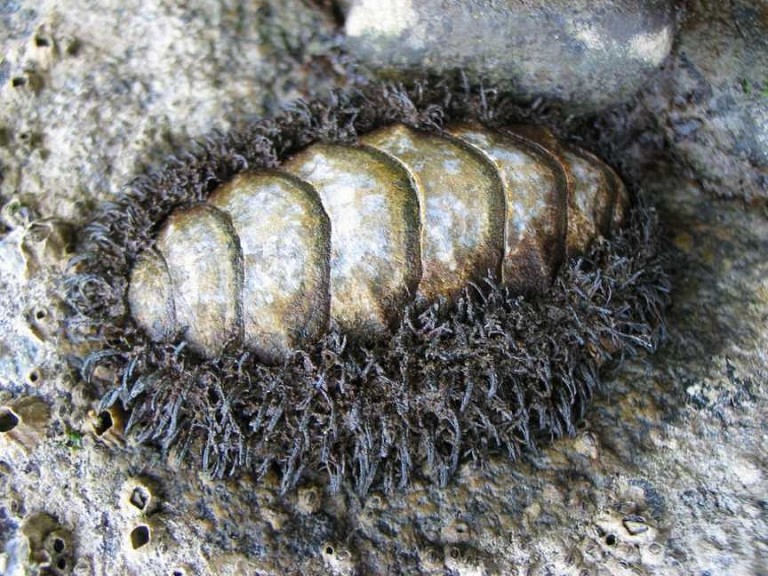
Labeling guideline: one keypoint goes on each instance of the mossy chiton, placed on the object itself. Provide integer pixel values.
(353, 233)
(362, 290)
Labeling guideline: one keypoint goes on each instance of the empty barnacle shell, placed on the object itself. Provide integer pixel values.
(309, 500)
(47, 242)
(23, 423)
(139, 496)
(34, 376)
(44, 543)
(140, 536)
(300, 295)
(108, 424)
(337, 558)
(36, 319)
(43, 320)
(58, 545)
(143, 536)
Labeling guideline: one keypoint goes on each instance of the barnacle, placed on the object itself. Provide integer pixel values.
(108, 425)
(23, 423)
(48, 543)
(144, 537)
(140, 496)
(412, 361)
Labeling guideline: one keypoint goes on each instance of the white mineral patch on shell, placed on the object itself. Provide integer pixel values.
(590, 198)
(588, 180)
(353, 242)
(150, 296)
(448, 229)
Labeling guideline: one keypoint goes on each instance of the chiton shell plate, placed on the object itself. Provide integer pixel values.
(350, 234)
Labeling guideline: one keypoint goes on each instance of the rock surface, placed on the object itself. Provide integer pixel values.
(713, 102)
(585, 54)
(667, 475)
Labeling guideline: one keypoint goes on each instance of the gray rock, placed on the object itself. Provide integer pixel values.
(588, 54)
(714, 102)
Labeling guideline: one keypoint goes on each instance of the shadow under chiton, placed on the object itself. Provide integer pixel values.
(372, 288)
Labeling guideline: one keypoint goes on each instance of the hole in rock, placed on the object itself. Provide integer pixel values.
(8, 420)
(139, 497)
(103, 422)
(139, 537)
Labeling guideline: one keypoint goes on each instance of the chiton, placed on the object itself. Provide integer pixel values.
(367, 289)
(352, 233)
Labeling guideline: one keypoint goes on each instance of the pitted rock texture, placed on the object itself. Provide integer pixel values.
(678, 442)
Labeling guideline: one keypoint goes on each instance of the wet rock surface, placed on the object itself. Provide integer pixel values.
(666, 475)
(584, 54)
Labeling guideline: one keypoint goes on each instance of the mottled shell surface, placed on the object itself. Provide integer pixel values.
(352, 234)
